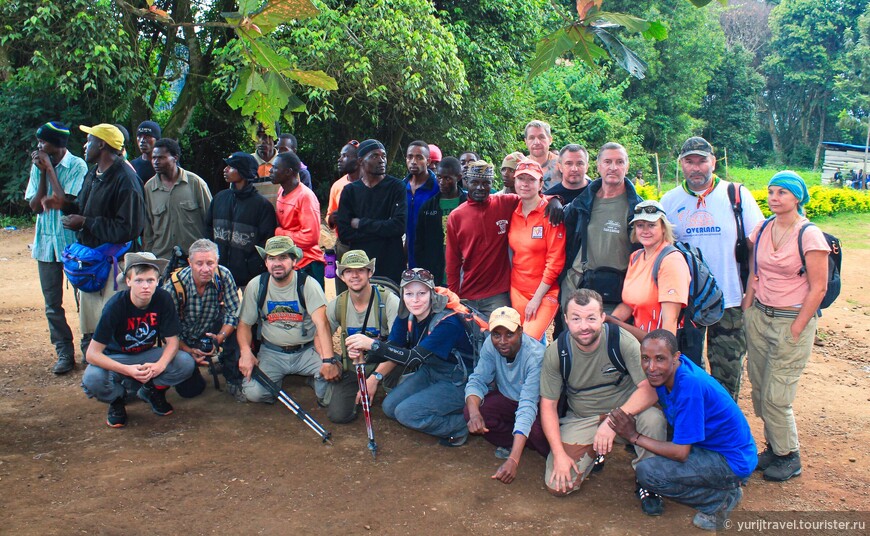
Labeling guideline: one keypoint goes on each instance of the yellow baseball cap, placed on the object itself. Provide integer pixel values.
(106, 132)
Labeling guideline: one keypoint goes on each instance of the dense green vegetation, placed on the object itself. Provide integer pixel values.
(764, 80)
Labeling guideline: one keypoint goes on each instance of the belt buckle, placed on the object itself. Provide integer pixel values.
(769, 311)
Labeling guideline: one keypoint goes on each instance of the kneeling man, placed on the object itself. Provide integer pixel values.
(507, 416)
(124, 343)
(594, 387)
(712, 453)
(291, 314)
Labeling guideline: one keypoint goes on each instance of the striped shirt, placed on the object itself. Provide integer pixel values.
(50, 237)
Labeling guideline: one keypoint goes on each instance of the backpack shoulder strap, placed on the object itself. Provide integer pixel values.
(801, 247)
(667, 250)
(758, 241)
(614, 352)
(301, 278)
(382, 311)
(565, 356)
(341, 305)
(737, 207)
(261, 294)
(180, 293)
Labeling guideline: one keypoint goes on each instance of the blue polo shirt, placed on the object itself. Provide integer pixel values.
(415, 202)
(703, 414)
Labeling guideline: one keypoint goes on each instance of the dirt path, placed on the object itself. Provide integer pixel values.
(216, 465)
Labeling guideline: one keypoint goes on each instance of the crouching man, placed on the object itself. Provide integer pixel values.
(712, 452)
(595, 386)
(362, 303)
(507, 416)
(124, 343)
(207, 300)
(290, 309)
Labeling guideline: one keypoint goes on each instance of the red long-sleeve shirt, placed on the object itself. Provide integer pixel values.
(539, 250)
(477, 247)
(299, 218)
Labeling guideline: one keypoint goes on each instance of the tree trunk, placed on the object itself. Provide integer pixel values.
(774, 137)
(823, 113)
(197, 74)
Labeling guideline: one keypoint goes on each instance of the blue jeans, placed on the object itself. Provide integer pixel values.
(431, 400)
(704, 481)
(106, 386)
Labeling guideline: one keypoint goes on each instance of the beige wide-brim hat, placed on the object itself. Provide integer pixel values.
(279, 245)
(355, 258)
(145, 258)
(648, 211)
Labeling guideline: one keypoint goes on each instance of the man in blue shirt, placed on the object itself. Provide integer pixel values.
(420, 186)
(55, 175)
(507, 417)
(712, 452)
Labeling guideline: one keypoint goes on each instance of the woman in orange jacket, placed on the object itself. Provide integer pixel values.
(538, 253)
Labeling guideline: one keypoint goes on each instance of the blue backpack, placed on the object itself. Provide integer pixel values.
(88, 268)
(706, 302)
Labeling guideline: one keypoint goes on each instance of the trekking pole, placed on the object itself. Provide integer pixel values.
(367, 409)
(291, 404)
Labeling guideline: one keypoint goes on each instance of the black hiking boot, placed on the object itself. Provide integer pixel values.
(784, 468)
(650, 503)
(156, 397)
(65, 363)
(765, 458)
(117, 416)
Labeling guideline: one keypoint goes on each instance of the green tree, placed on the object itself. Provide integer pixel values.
(729, 107)
(852, 88)
(806, 54)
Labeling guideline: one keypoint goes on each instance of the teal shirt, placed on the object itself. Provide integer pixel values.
(50, 237)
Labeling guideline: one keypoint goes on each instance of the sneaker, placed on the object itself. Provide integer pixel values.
(65, 363)
(117, 416)
(155, 397)
(598, 464)
(502, 453)
(718, 520)
(765, 458)
(784, 468)
(235, 391)
(453, 441)
(650, 503)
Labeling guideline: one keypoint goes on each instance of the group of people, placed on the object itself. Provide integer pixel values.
(552, 247)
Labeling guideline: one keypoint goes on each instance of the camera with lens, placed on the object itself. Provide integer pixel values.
(206, 345)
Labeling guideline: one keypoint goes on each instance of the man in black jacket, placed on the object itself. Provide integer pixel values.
(239, 219)
(108, 210)
(372, 212)
(432, 221)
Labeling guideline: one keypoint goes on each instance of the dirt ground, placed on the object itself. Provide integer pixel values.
(218, 466)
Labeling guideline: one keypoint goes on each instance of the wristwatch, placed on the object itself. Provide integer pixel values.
(375, 345)
(378, 376)
(330, 361)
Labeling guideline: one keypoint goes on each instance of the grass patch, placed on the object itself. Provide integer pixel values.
(757, 178)
(17, 221)
(852, 229)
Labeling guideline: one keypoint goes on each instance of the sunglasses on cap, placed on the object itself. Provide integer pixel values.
(353, 143)
(417, 275)
(649, 209)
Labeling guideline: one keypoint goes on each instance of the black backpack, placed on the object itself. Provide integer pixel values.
(566, 359)
(835, 261)
(741, 247)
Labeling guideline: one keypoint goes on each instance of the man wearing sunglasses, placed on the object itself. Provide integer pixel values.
(702, 214)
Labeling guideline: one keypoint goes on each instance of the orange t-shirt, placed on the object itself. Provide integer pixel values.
(299, 218)
(538, 249)
(335, 194)
(779, 284)
(644, 297)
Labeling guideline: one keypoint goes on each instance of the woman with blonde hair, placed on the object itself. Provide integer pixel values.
(790, 259)
(653, 300)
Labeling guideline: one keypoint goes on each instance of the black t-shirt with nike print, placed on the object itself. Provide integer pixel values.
(126, 329)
